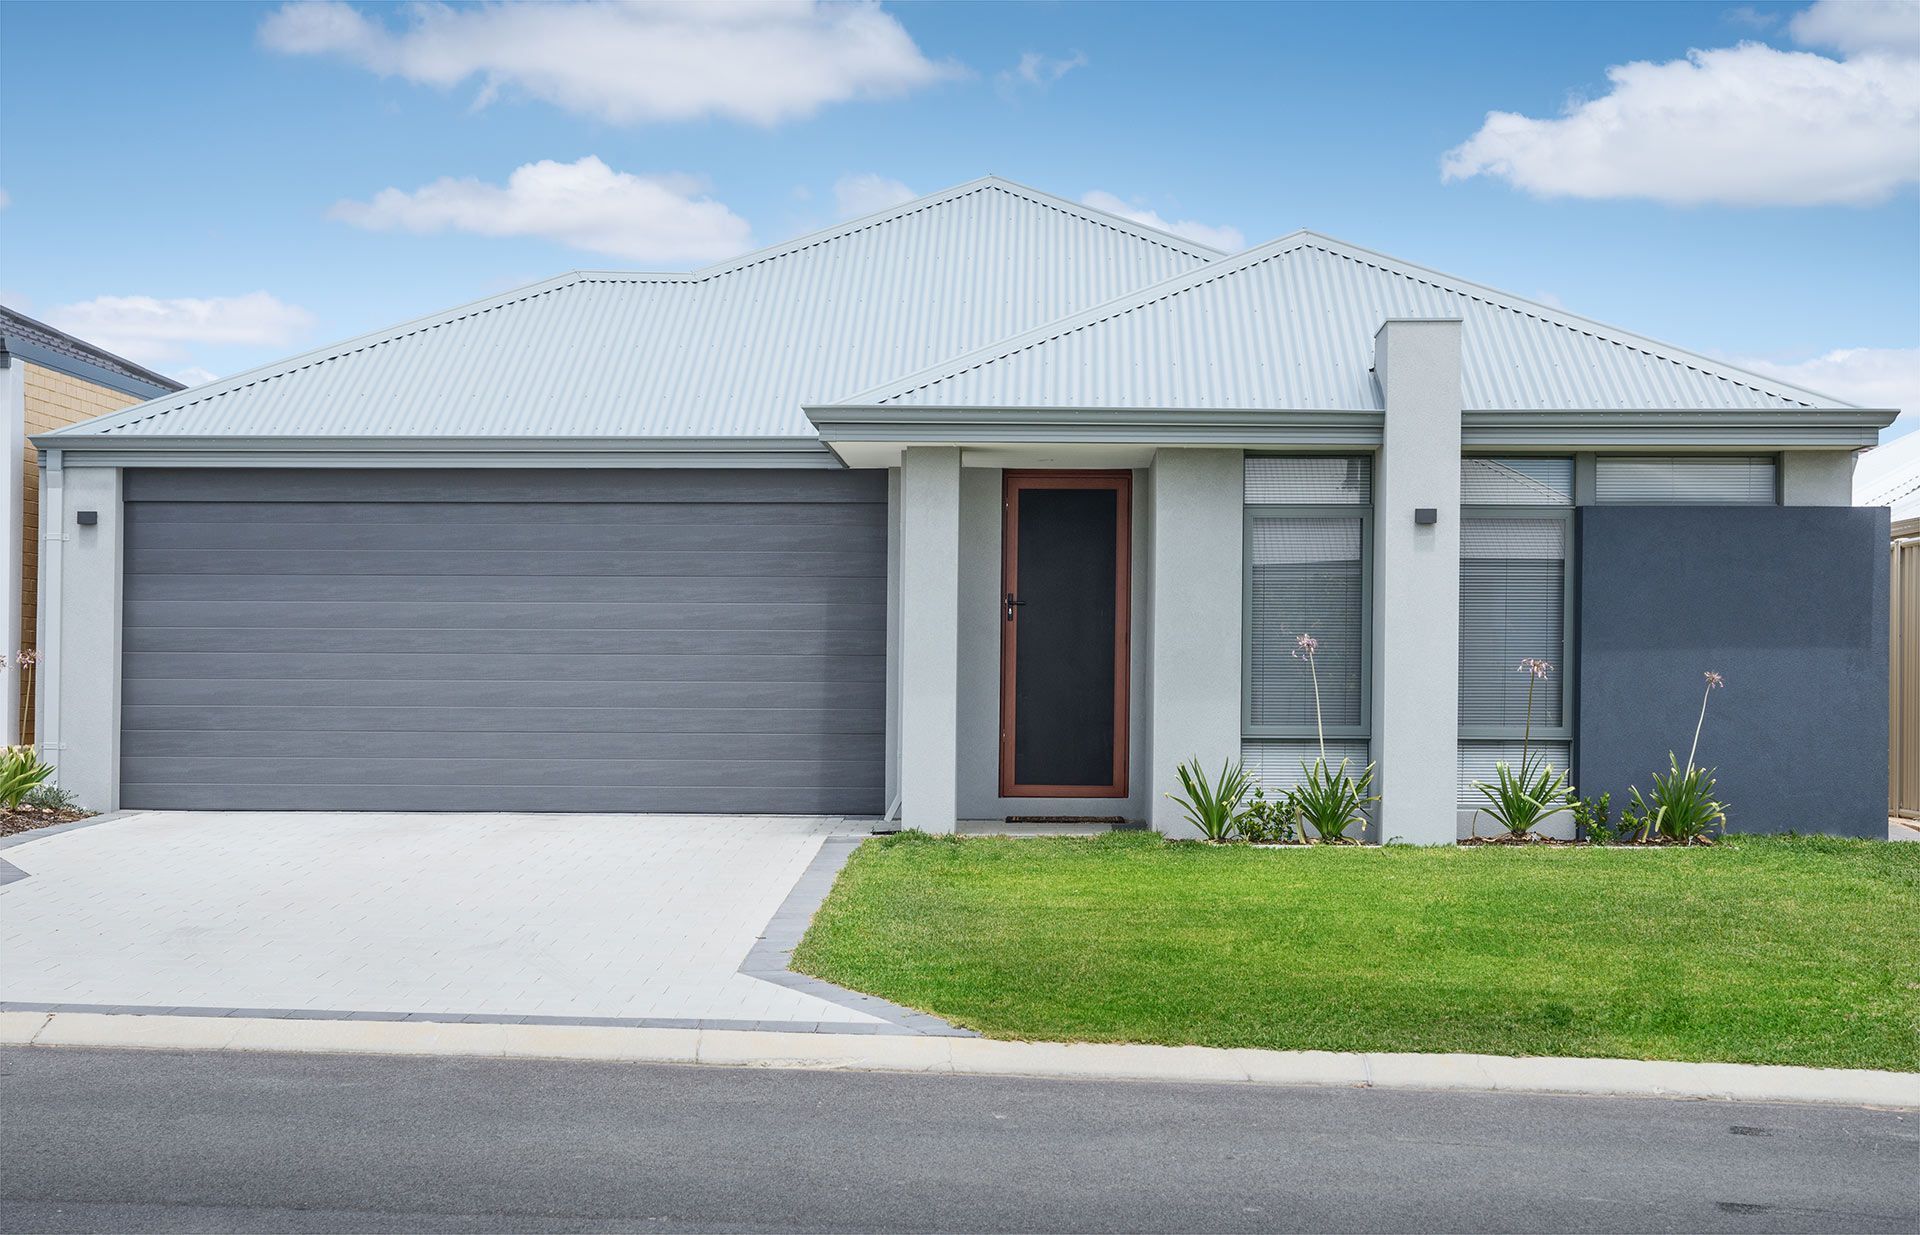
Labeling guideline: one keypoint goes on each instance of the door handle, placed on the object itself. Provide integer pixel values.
(1012, 604)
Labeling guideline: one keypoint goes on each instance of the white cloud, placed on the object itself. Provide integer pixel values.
(152, 331)
(584, 204)
(1856, 26)
(762, 61)
(867, 193)
(1878, 377)
(1747, 125)
(194, 375)
(1224, 238)
(1035, 69)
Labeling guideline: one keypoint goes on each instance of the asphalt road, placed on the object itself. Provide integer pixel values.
(129, 1140)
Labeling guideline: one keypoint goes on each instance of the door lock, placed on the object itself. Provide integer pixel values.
(1012, 604)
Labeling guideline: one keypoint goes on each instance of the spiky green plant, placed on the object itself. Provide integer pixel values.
(1213, 807)
(21, 772)
(1680, 808)
(1520, 801)
(1330, 801)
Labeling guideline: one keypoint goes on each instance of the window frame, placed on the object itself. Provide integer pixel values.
(1249, 515)
(1563, 732)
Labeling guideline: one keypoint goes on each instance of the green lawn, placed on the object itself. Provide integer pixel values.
(1777, 950)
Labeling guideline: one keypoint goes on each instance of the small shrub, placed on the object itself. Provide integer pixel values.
(1681, 807)
(1520, 801)
(1214, 808)
(1593, 818)
(21, 772)
(1270, 821)
(1330, 801)
(50, 797)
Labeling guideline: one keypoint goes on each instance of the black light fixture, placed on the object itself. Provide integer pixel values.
(1425, 515)
(87, 518)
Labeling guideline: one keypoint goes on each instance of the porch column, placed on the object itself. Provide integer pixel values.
(1194, 517)
(929, 635)
(78, 720)
(1416, 581)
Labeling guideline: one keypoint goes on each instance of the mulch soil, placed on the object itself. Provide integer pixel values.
(27, 818)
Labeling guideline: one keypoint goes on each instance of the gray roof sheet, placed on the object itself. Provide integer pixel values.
(732, 350)
(1290, 325)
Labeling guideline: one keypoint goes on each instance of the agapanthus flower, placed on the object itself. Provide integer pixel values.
(1305, 646)
(1714, 680)
(1537, 667)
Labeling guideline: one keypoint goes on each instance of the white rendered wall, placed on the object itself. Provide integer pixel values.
(1416, 582)
(13, 413)
(1194, 518)
(79, 674)
(1816, 478)
(929, 635)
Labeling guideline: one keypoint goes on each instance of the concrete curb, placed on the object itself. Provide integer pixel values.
(972, 1056)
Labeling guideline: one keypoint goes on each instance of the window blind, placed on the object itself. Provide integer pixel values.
(1686, 480)
(1309, 480)
(1306, 580)
(1513, 594)
(1516, 482)
(1477, 759)
(1277, 763)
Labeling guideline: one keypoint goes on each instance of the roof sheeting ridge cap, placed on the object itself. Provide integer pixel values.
(180, 400)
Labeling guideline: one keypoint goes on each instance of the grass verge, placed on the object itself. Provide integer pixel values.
(1761, 950)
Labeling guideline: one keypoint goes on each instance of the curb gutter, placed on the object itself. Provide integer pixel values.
(971, 1056)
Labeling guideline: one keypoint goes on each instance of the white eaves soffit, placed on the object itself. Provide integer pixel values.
(728, 352)
(1280, 338)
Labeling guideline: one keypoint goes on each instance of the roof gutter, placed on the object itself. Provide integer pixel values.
(135, 450)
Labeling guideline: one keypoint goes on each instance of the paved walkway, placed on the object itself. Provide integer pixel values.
(613, 918)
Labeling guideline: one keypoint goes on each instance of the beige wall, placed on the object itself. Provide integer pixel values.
(53, 399)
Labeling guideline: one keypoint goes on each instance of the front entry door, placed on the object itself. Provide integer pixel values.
(1064, 634)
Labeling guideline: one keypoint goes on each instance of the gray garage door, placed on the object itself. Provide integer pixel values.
(680, 640)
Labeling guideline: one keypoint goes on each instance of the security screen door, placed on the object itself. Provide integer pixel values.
(1064, 635)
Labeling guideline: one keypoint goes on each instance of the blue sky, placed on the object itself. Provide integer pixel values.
(208, 187)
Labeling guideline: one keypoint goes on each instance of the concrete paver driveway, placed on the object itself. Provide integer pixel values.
(577, 916)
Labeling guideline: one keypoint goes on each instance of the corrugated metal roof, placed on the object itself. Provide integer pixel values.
(732, 350)
(1290, 325)
(1889, 475)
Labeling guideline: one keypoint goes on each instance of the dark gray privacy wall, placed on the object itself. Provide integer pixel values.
(665, 640)
(1790, 604)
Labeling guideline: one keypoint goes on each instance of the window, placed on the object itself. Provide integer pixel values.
(1515, 590)
(1686, 480)
(1308, 525)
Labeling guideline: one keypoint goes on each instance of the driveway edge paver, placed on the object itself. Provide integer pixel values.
(975, 1056)
(771, 958)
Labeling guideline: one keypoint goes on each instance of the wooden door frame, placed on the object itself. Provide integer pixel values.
(1121, 483)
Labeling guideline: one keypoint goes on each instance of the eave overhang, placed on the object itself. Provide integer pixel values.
(1796, 428)
(126, 450)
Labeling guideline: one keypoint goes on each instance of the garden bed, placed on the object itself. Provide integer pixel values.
(1753, 950)
(27, 818)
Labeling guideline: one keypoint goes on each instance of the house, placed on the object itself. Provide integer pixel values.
(986, 505)
(1889, 476)
(48, 379)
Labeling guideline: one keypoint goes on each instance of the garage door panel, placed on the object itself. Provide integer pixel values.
(744, 800)
(365, 641)
(506, 641)
(462, 486)
(141, 588)
(199, 723)
(398, 667)
(459, 773)
(520, 564)
(818, 746)
(440, 693)
(445, 615)
(263, 525)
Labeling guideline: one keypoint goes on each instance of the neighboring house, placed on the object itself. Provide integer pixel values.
(1889, 476)
(986, 505)
(48, 379)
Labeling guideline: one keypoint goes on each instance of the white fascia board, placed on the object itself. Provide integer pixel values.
(1832, 428)
(122, 450)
